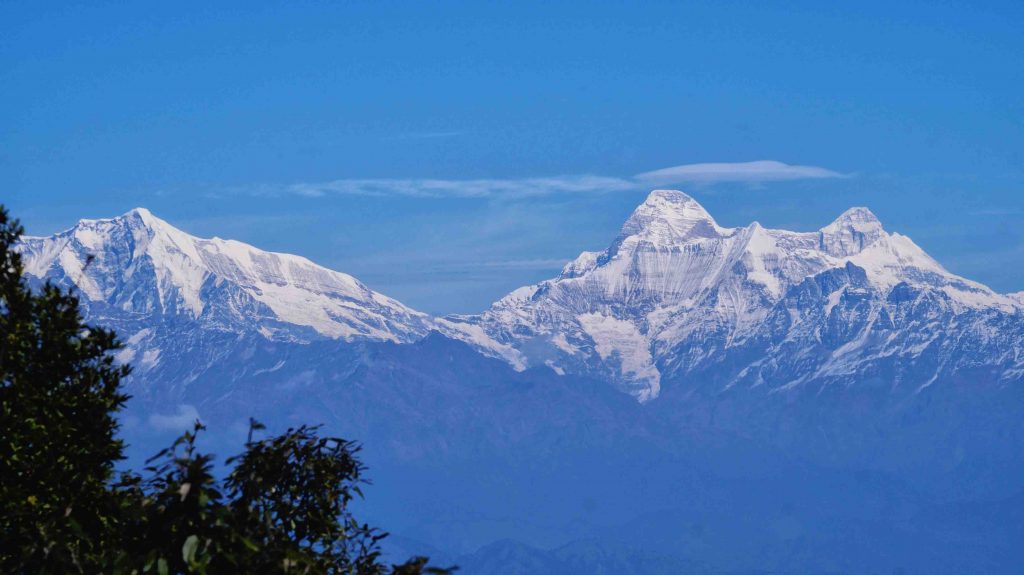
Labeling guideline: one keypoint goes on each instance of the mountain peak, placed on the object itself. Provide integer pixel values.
(142, 265)
(671, 215)
(669, 195)
(145, 216)
(134, 219)
(851, 232)
(859, 218)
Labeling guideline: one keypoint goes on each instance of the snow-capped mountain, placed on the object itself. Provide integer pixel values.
(813, 388)
(140, 265)
(677, 296)
(172, 295)
(182, 304)
(675, 301)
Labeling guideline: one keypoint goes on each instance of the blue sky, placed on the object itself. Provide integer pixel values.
(446, 153)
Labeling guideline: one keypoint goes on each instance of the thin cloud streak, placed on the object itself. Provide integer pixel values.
(519, 188)
(748, 172)
(482, 188)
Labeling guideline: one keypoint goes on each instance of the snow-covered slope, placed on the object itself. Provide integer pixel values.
(184, 305)
(179, 302)
(676, 295)
(139, 264)
(676, 301)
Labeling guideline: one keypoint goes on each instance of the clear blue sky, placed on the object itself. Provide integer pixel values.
(311, 129)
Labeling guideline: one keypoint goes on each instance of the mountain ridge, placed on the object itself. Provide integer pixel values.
(675, 294)
(674, 278)
(790, 400)
(140, 246)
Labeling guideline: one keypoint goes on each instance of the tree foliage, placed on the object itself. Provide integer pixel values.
(59, 392)
(283, 507)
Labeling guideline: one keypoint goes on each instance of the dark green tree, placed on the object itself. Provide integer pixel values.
(283, 507)
(59, 392)
(277, 504)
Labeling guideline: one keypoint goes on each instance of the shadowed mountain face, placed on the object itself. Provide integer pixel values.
(692, 399)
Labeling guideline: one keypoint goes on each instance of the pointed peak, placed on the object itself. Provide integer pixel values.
(132, 215)
(669, 196)
(671, 214)
(136, 216)
(859, 218)
(673, 202)
(137, 221)
(851, 232)
(142, 214)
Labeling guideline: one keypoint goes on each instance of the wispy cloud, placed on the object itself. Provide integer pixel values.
(748, 172)
(516, 188)
(432, 188)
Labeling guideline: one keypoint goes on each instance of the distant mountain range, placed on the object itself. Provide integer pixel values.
(675, 300)
(692, 397)
(678, 300)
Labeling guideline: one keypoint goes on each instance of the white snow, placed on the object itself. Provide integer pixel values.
(621, 339)
(140, 253)
(476, 336)
(560, 341)
(674, 274)
(276, 367)
(1017, 297)
(554, 367)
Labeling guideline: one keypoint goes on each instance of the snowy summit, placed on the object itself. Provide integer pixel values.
(676, 301)
(677, 295)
